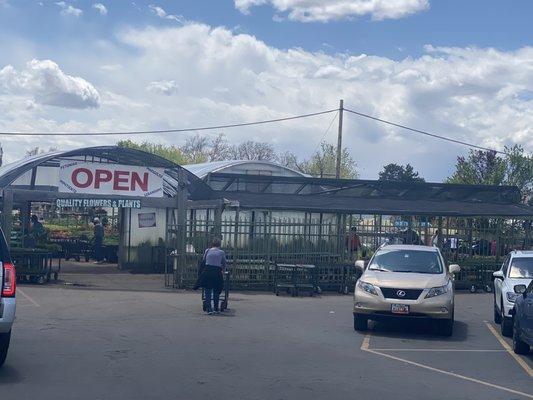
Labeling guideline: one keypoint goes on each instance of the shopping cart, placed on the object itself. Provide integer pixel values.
(224, 295)
(295, 279)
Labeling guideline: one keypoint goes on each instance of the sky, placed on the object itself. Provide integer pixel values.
(462, 69)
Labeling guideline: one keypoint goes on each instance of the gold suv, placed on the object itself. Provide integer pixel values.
(407, 282)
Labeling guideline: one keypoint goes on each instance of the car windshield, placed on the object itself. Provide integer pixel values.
(521, 268)
(417, 261)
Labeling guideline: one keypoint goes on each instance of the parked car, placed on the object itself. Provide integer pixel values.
(405, 281)
(8, 285)
(523, 320)
(516, 270)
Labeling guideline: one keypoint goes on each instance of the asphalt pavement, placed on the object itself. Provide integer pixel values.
(100, 344)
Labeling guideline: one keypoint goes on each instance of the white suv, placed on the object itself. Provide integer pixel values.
(517, 269)
(7, 298)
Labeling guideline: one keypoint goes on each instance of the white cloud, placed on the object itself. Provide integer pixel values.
(330, 10)
(111, 67)
(161, 13)
(100, 8)
(457, 92)
(68, 9)
(482, 96)
(49, 85)
(163, 87)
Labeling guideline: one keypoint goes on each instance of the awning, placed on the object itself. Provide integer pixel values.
(383, 206)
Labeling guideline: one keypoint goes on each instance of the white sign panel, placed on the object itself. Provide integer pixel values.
(110, 179)
(147, 220)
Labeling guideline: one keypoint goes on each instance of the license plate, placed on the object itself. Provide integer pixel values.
(399, 308)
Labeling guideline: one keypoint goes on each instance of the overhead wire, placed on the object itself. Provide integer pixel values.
(162, 131)
(433, 135)
(252, 123)
(326, 132)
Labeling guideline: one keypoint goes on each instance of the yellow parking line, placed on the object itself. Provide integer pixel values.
(446, 350)
(366, 342)
(440, 371)
(509, 350)
(19, 290)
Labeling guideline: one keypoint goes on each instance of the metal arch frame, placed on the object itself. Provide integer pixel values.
(196, 187)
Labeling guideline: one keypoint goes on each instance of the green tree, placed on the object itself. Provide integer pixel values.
(322, 163)
(488, 168)
(479, 168)
(399, 173)
(170, 152)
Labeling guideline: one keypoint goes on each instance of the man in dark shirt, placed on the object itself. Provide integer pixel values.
(98, 241)
(353, 243)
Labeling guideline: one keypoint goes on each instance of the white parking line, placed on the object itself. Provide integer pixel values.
(509, 350)
(19, 290)
(440, 371)
(365, 346)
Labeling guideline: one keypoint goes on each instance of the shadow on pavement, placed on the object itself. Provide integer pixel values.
(8, 374)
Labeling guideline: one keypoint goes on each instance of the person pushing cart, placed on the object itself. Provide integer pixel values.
(211, 278)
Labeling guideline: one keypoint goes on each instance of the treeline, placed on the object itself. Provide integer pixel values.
(201, 149)
(515, 167)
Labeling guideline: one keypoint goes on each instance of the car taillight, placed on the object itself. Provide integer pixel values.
(9, 286)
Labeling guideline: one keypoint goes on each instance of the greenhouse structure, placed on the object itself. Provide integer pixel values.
(161, 216)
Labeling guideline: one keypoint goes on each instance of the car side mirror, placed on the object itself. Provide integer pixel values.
(498, 275)
(454, 269)
(360, 265)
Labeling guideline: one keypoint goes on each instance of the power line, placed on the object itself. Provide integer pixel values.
(325, 133)
(180, 130)
(433, 135)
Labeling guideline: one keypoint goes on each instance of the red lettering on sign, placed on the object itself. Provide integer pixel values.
(102, 176)
(136, 180)
(88, 177)
(118, 180)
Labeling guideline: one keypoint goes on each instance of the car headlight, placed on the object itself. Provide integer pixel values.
(437, 291)
(511, 296)
(367, 287)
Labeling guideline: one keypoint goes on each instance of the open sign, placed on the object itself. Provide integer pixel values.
(110, 179)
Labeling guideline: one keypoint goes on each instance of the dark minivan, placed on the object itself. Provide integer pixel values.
(523, 320)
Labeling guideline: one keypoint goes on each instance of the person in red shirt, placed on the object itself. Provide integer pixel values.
(353, 243)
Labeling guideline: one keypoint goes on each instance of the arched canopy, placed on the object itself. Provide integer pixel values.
(39, 172)
(250, 167)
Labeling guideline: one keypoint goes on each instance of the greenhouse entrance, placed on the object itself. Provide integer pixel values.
(105, 204)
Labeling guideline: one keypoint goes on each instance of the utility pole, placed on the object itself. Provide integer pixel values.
(339, 141)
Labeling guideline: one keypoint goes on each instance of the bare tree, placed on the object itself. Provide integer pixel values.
(196, 149)
(37, 150)
(220, 149)
(251, 150)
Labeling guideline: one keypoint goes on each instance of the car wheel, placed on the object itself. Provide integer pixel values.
(445, 327)
(5, 338)
(497, 315)
(360, 322)
(507, 324)
(519, 346)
